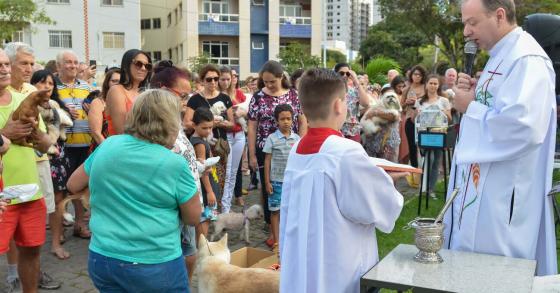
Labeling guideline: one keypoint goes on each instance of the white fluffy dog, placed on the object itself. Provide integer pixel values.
(237, 221)
(217, 109)
(239, 114)
(389, 102)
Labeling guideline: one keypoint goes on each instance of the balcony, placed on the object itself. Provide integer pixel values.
(229, 61)
(218, 24)
(295, 27)
(212, 17)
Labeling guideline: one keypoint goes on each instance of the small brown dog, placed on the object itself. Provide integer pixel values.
(28, 112)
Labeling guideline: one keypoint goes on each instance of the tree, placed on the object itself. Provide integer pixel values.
(196, 63)
(18, 14)
(334, 57)
(526, 7)
(378, 67)
(396, 39)
(296, 56)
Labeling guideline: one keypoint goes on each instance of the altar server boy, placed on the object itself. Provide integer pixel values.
(334, 198)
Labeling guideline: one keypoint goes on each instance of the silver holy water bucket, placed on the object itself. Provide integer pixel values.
(428, 239)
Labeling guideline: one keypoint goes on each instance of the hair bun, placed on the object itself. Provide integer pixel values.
(163, 65)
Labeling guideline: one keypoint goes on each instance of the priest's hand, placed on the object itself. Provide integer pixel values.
(464, 92)
(396, 175)
(269, 188)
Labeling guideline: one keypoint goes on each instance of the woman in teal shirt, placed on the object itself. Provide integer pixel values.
(140, 190)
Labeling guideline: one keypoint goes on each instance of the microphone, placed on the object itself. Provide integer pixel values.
(470, 54)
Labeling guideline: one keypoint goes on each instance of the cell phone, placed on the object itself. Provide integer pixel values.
(92, 63)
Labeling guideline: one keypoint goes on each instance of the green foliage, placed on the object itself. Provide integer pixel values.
(196, 63)
(526, 7)
(15, 15)
(334, 57)
(296, 56)
(378, 67)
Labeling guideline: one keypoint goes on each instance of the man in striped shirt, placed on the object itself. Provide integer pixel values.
(73, 92)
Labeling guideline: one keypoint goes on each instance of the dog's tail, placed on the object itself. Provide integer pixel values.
(61, 207)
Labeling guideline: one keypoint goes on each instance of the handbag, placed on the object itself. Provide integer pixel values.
(221, 148)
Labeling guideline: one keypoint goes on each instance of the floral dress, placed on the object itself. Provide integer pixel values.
(351, 126)
(261, 109)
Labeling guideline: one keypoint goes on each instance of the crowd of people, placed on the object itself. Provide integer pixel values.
(142, 149)
(251, 124)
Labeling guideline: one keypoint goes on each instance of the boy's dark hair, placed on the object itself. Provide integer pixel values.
(282, 108)
(202, 115)
(318, 87)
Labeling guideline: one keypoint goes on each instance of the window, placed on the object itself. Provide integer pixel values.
(169, 19)
(17, 36)
(216, 49)
(148, 53)
(156, 23)
(257, 45)
(290, 11)
(170, 53)
(112, 2)
(177, 53)
(213, 7)
(258, 2)
(181, 10)
(157, 55)
(113, 40)
(60, 39)
(58, 1)
(145, 24)
(180, 52)
(176, 19)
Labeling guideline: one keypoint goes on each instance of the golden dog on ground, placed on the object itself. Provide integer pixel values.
(216, 274)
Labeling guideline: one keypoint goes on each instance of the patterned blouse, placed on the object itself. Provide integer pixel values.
(261, 109)
(351, 126)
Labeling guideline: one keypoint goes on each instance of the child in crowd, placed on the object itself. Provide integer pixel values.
(277, 148)
(203, 121)
(334, 197)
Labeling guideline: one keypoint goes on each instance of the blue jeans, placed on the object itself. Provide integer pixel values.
(113, 275)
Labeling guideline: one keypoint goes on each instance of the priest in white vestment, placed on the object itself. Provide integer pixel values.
(503, 160)
(333, 198)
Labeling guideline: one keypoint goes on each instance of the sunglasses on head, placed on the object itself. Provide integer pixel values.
(139, 64)
(343, 73)
(210, 79)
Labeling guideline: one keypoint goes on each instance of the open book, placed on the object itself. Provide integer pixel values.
(394, 167)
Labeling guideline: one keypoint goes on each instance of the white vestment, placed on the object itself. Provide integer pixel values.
(503, 160)
(332, 201)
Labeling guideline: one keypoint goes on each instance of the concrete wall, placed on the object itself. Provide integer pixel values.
(125, 19)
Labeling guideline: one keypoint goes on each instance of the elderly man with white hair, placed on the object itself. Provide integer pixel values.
(25, 217)
(22, 61)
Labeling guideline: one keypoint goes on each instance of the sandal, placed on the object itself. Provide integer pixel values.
(82, 232)
(60, 253)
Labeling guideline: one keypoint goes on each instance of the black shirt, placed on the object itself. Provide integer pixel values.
(198, 100)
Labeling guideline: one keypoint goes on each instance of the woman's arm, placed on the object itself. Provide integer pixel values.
(187, 120)
(78, 181)
(252, 138)
(95, 120)
(191, 210)
(267, 161)
(116, 107)
(230, 122)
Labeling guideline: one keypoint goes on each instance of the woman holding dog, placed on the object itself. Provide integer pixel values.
(60, 165)
(136, 69)
(210, 96)
(136, 208)
(235, 137)
(385, 142)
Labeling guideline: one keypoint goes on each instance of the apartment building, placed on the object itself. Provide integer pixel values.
(243, 34)
(348, 22)
(100, 30)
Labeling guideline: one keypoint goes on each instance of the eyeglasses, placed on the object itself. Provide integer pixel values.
(343, 73)
(210, 79)
(178, 93)
(139, 64)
